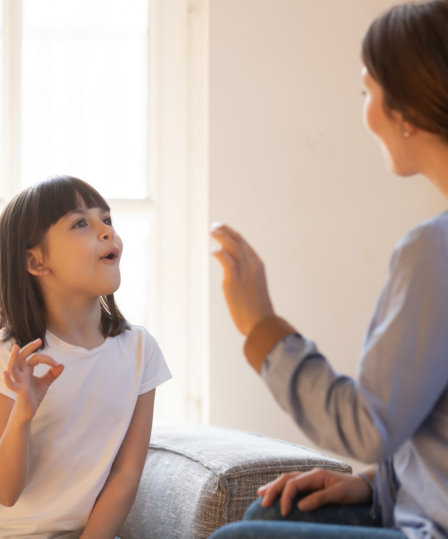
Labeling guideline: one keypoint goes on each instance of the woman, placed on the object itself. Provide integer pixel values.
(394, 415)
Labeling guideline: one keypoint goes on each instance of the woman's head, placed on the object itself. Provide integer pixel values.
(406, 51)
(24, 224)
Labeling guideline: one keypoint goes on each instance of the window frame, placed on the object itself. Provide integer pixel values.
(177, 112)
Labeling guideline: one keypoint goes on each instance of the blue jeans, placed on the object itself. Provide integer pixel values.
(327, 522)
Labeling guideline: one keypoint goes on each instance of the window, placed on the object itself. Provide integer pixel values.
(104, 90)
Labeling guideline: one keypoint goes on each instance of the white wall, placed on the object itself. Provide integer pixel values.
(292, 167)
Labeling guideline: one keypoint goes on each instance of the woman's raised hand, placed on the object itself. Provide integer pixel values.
(244, 281)
(325, 487)
(20, 377)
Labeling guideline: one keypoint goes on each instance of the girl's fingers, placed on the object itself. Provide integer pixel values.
(27, 350)
(10, 384)
(37, 358)
(49, 377)
(13, 368)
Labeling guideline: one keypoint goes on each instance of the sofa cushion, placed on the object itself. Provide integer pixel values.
(198, 478)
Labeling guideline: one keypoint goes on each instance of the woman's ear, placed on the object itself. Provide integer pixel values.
(408, 129)
(35, 262)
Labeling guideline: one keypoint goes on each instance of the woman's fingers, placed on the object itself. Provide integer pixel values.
(289, 485)
(274, 488)
(234, 243)
(220, 228)
(321, 497)
(226, 260)
(226, 236)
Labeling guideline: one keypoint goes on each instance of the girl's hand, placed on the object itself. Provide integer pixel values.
(326, 486)
(244, 282)
(20, 377)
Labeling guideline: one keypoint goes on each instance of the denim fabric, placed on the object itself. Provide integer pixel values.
(328, 522)
(300, 530)
(354, 515)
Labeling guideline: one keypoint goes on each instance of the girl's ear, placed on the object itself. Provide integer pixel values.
(35, 262)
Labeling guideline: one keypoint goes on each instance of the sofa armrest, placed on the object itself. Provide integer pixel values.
(198, 478)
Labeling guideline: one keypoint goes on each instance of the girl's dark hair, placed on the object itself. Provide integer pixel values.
(406, 51)
(23, 225)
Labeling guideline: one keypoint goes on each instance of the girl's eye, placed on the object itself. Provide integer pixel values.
(108, 221)
(80, 224)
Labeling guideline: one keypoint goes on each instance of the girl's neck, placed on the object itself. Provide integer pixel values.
(77, 323)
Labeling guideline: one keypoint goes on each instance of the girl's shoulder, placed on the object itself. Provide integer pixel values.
(137, 335)
(5, 349)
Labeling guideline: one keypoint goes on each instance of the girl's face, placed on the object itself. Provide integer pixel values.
(388, 127)
(81, 255)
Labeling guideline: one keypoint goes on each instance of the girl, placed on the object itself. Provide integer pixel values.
(395, 414)
(78, 384)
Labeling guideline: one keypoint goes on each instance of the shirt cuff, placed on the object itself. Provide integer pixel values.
(263, 337)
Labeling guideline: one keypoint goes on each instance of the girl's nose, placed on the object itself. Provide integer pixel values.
(107, 232)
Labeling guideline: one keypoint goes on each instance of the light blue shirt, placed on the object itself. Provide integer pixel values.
(395, 413)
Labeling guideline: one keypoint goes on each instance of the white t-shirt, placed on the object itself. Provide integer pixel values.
(79, 427)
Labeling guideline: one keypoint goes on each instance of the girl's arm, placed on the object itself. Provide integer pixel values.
(115, 500)
(16, 416)
(14, 451)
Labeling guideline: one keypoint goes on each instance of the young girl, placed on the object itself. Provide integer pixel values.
(78, 383)
(395, 414)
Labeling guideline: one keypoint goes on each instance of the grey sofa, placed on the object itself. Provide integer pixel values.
(198, 478)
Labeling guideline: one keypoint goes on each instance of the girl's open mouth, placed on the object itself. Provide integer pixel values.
(111, 255)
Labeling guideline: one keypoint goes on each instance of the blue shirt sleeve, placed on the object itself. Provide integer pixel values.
(403, 367)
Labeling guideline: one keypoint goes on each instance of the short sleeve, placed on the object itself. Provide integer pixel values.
(5, 351)
(155, 370)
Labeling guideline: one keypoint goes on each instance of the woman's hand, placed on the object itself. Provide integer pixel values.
(244, 281)
(20, 377)
(325, 486)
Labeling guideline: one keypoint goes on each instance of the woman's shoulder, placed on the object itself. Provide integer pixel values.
(423, 250)
(427, 236)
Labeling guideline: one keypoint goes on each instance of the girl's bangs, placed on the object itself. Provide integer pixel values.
(54, 198)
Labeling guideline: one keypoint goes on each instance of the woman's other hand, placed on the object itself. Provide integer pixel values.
(325, 487)
(244, 281)
(20, 377)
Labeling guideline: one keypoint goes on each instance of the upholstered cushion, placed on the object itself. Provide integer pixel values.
(199, 478)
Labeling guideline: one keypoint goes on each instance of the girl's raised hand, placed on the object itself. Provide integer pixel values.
(325, 486)
(20, 377)
(244, 283)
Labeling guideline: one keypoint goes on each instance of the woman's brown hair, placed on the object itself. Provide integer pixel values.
(23, 225)
(406, 51)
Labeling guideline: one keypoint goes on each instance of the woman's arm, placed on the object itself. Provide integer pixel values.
(115, 500)
(16, 416)
(402, 373)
